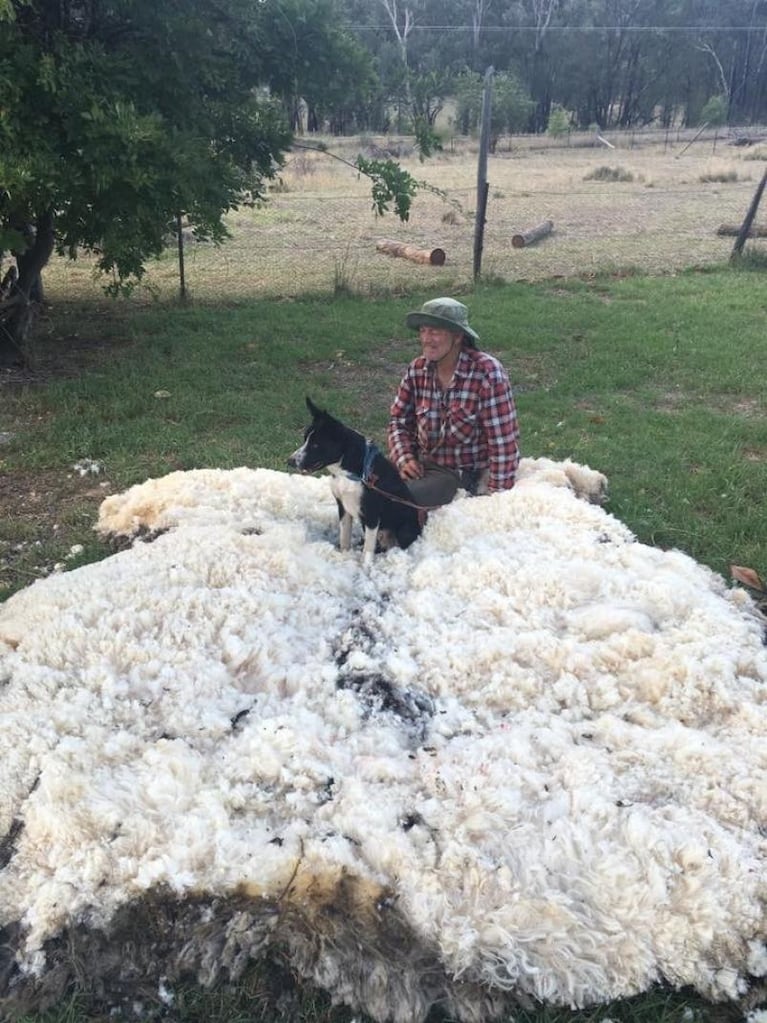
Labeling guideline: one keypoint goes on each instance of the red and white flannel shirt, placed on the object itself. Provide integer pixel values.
(471, 425)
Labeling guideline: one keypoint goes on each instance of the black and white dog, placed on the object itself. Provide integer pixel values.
(365, 484)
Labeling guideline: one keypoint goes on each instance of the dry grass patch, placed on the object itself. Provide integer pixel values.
(319, 215)
(609, 174)
(724, 177)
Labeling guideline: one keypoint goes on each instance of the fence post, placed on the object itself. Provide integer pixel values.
(482, 183)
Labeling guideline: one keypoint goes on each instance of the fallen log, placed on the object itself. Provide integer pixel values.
(748, 140)
(533, 234)
(603, 141)
(434, 257)
(755, 231)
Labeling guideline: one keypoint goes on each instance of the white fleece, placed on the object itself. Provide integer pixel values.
(578, 751)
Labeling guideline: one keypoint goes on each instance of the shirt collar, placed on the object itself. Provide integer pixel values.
(462, 367)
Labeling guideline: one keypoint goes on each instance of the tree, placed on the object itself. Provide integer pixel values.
(714, 111)
(312, 57)
(427, 93)
(510, 109)
(559, 121)
(116, 117)
(402, 20)
(479, 11)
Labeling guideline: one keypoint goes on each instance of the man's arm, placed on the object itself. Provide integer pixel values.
(499, 419)
(401, 431)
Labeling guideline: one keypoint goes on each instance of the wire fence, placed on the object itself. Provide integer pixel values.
(653, 202)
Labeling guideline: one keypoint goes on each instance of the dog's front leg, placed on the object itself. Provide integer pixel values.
(369, 547)
(344, 528)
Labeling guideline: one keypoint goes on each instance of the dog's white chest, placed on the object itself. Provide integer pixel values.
(348, 492)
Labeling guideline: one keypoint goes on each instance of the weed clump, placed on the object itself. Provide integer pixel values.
(609, 174)
(719, 177)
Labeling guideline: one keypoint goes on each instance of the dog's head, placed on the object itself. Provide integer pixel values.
(323, 442)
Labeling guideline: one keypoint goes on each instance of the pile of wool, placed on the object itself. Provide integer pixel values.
(522, 761)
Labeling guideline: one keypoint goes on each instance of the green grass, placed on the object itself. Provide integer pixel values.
(658, 382)
(258, 1000)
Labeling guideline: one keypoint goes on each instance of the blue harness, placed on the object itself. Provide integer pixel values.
(367, 462)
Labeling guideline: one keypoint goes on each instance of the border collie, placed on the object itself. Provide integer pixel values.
(365, 484)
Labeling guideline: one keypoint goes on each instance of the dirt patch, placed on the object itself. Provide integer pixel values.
(670, 401)
(724, 404)
(44, 516)
(59, 353)
(748, 408)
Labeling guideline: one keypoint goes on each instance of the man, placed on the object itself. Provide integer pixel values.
(453, 421)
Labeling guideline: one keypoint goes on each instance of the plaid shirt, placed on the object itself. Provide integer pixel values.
(471, 425)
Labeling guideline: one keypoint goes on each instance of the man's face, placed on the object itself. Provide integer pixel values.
(437, 342)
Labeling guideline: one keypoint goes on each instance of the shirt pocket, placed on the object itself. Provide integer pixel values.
(461, 423)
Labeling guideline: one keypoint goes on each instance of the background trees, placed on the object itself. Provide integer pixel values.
(117, 117)
(612, 62)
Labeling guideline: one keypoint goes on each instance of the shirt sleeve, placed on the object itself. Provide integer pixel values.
(499, 421)
(402, 425)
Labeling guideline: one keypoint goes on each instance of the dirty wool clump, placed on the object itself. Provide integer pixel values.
(523, 760)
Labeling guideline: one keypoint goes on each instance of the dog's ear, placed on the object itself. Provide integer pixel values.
(313, 410)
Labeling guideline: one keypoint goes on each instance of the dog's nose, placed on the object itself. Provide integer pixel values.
(292, 461)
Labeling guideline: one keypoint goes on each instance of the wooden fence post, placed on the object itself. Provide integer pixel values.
(482, 183)
(740, 241)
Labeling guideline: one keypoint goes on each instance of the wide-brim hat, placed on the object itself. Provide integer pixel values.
(447, 313)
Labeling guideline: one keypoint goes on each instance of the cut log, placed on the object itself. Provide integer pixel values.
(533, 234)
(434, 257)
(755, 231)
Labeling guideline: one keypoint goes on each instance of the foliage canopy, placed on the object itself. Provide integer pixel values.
(121, 116)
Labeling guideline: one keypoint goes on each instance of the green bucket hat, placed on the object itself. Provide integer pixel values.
(444, 312)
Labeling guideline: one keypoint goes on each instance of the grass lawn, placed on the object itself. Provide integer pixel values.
(659, 382)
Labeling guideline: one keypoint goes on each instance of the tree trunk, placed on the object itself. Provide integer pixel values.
(17, 317)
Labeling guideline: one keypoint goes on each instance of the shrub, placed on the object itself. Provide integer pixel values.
(559, 121)
(609, 174)
(714, 111)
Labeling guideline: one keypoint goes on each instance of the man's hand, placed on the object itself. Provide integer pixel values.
(411, 469)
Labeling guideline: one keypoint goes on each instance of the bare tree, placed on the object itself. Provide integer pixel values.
(709, 49)
(402, 23)
(479, 11)
(542, 12)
